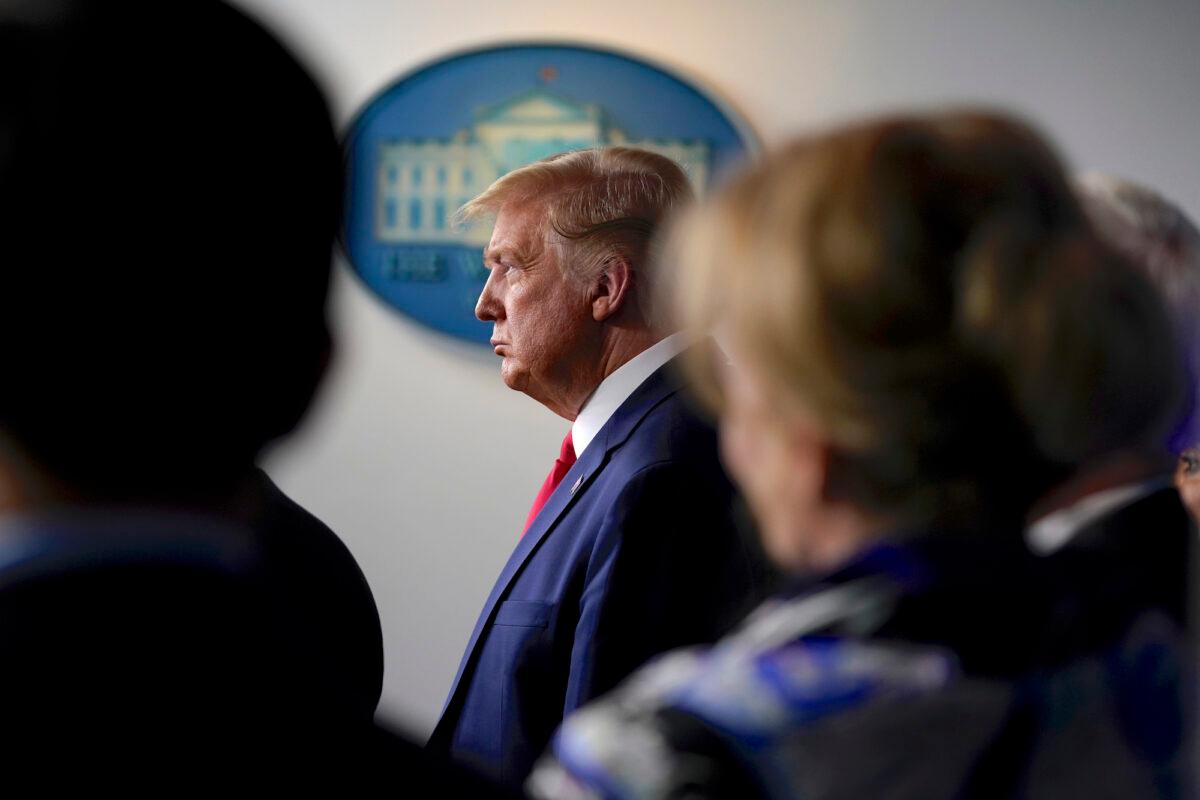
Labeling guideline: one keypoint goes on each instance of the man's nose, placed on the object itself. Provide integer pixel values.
(487, 308)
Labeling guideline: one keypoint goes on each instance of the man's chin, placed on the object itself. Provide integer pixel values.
(513, 377)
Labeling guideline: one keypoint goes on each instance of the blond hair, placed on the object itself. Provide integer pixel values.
(600, 203)
(927, 287)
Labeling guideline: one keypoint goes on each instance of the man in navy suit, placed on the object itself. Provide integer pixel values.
(631, 547)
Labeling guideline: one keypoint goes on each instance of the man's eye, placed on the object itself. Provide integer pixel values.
(1189, 462)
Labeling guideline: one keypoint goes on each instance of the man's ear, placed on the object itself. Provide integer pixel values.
(612, 289)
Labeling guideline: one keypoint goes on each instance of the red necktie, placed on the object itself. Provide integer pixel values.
(566, 457)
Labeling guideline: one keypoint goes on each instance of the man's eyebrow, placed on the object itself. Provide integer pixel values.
(511, 251)
(495, 254)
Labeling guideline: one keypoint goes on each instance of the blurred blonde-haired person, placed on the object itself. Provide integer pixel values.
(924, 338)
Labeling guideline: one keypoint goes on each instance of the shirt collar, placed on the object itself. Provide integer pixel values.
(1055, 530)
(617, 387)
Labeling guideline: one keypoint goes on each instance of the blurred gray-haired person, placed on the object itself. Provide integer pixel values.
(1159, 238)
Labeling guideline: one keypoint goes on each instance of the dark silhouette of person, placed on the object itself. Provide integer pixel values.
(169, 197)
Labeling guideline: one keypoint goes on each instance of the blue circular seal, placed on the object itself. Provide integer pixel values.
(438, 136)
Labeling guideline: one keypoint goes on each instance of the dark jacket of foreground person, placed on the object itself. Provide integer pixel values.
(146, 649)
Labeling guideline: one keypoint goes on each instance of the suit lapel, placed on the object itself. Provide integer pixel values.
(653, 391)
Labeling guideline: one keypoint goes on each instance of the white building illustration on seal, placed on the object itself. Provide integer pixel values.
(423, 182)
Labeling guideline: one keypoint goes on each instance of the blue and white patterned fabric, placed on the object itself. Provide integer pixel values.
(932, 671)
(778, 673)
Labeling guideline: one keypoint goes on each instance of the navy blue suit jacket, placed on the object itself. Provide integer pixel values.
(635, 553)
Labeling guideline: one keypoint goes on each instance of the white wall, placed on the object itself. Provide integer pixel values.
(416, 453)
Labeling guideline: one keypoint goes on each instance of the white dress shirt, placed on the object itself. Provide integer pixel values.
(617, 387)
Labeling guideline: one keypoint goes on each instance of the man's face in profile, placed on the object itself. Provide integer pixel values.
(540, 318)
(1187, 479)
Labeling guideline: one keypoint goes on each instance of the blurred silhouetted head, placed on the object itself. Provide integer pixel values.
(169, 191)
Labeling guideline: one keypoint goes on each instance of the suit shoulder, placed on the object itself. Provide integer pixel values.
(673, 431)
